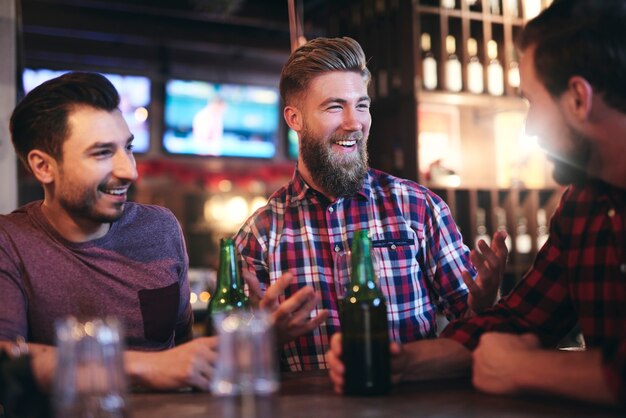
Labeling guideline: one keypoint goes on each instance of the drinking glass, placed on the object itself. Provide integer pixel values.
(89, 379)
(247, 362)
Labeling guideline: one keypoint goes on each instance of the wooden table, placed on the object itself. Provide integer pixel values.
(304, 395)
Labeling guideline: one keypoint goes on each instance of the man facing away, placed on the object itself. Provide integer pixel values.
(292, 244)
(573, 67)
(84, 250)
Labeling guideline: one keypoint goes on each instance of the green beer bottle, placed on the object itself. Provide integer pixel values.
(364, 326)
(229, 293)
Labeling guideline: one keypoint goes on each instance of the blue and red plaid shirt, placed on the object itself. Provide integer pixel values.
(579, 275)
(418, 246)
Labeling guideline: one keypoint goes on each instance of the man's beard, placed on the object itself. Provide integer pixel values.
(572, 168)
(338, 174)
(81, 202)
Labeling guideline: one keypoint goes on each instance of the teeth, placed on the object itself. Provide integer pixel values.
(115, 192)
(346, 143)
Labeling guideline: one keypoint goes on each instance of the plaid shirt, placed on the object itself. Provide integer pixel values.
(419, 249)
(578, 276)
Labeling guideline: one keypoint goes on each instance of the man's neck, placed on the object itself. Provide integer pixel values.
(308, 178)
(74, 230)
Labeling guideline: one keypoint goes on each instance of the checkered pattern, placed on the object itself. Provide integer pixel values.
(578, 276)
(419, 249)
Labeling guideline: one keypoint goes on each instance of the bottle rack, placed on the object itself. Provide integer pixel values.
(523, 213)
(485, 21)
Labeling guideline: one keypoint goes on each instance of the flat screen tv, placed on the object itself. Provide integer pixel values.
(292, 144)
(134, 100)
(224, 120)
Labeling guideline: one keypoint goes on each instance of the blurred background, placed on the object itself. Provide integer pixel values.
(199, 86)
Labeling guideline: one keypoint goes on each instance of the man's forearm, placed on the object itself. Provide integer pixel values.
(440, 358)
(576, 375)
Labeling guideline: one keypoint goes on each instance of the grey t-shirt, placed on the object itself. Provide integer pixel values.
(137, 272)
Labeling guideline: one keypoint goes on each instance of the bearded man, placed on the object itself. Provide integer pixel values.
(292, 244)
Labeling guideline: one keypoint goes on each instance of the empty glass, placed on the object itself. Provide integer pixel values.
(247, 362)
(89, 380)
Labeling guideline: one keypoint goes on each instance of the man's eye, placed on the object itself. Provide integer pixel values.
(102, 153)
(130, 147)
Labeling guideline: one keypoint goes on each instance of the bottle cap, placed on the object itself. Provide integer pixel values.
(472, 47)
(450, 44)
(492, 49)
(425, 42)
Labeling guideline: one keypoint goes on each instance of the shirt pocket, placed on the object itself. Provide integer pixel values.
(159, 310)
(398, 268)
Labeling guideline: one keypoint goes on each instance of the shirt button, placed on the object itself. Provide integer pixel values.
(337, 248)
(331, 210)
(611, 213)
(622, 268)
(393, 246)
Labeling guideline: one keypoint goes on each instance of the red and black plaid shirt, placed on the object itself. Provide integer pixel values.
(578, 276)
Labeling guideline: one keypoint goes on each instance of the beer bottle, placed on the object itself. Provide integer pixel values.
(364, 326)
(229, 294)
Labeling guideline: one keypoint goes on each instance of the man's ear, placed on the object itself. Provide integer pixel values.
(580, 97)
(293, 117)
(43, 166)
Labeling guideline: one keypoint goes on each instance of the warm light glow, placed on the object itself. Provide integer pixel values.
(205, 296)
(257, 202)
(236, 210)
(141, 114)
(225, 186)
(193, 298)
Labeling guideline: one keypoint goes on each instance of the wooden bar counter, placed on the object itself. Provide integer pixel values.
(309, 394)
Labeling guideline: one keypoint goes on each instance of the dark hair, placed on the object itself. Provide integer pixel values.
(317, 57)
(581, 37)
(39, 121)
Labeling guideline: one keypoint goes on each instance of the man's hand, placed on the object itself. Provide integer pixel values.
(336, 368)
(490, 261)
(496, 359)
(189, 364)
(292, 317)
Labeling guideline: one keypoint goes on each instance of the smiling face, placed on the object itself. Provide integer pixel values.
(333, 121)
(547, 119)
(91, 181)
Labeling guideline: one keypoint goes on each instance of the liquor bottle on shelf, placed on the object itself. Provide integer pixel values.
(365, 339)
(512, 8)
(495, 72)
(494, 7)
(454, 79)
(429, 64)
(513, 75)
(229, 294)
(501, 225)
(542, 227)
(475, 83)
(523, 241)
(531, 8)
(448, 4)
(481, 226)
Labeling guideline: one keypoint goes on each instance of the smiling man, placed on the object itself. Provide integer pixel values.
(84, 250)
(573, 66)
(292, 244)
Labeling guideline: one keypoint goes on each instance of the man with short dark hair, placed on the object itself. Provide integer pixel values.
(292, 244)
(84, 250)
(573, 66)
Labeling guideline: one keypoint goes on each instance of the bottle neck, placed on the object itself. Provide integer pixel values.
(362, 265)
(228, 273)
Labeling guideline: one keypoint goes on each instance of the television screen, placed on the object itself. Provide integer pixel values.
(134, 100)
(232, 120)
(292, 144)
